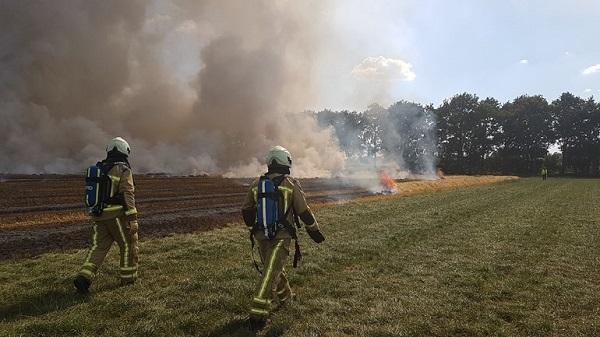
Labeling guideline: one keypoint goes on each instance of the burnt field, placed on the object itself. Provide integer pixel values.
(40, 214)
(43, 214)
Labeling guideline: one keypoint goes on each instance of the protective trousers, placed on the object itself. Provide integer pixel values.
(104, 232)
(274, 288)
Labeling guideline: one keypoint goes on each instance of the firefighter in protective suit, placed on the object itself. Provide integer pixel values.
(117, 220)
(544, 173)
(274, 289)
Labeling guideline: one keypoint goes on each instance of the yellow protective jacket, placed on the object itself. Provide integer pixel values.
(293, 196)
(121, 179)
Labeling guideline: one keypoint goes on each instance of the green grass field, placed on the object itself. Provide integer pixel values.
(512, 259)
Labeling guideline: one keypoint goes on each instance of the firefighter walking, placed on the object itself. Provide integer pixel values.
(544, 173)
(271, 209)
(114, 218)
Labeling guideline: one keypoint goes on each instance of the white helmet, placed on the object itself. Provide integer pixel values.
(120, 145)
(279, 155)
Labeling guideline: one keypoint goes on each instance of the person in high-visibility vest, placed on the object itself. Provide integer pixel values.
(117, 220)
(544, 173)
(274, 289)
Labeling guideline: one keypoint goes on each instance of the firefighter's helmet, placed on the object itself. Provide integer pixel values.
(120, 145)
(279, 155)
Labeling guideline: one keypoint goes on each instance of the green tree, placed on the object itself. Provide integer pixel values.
(577, 125)
(553, 162)
(453, 131)
(526, 134)
(468, 132)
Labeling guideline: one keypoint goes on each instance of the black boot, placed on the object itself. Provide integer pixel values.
(82, 284)
(256, 324)
(127, 282)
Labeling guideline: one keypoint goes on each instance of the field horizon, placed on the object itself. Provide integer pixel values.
(41, 215)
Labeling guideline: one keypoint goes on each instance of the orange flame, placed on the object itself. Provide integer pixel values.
(387, 182)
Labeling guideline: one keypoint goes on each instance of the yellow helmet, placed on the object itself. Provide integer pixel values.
(120, 145)
(279, 155)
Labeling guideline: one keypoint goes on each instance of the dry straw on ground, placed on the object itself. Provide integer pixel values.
(447, 183)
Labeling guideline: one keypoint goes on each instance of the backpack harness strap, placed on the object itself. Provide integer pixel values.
(253, 258)
(271, 195)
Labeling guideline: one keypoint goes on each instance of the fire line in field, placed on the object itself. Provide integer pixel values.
(387, 183)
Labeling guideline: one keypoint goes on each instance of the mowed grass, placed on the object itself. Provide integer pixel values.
(511, 259)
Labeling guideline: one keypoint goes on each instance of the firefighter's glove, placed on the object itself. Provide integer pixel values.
(316, 236)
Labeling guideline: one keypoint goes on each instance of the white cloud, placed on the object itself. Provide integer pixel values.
(591, 69)
(383, 68)
(587, 90)
(524, 61)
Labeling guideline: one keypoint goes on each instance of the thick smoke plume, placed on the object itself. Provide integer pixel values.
(381, 144)
(73, 74)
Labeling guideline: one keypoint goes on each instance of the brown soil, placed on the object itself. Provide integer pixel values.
(40, 214)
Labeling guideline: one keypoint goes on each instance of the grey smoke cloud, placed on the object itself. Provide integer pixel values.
(73, 74)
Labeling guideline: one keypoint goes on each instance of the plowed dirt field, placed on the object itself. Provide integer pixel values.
(40, 214)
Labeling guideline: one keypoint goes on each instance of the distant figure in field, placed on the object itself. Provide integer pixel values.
(272, 207)
(111, 202)
(544, 173)
(440, 173)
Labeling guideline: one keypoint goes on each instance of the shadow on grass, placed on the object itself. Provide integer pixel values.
(53, 300)
(239, 328)
(275, 331)
(236, 327)
(49, 301)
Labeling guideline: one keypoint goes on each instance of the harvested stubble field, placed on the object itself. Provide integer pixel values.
(45, 214)
(518, 258)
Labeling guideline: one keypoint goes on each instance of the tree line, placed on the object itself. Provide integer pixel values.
(469, 135)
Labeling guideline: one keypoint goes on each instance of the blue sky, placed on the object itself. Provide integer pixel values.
(492, 48)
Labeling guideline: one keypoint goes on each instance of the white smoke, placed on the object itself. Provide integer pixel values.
(398, 141)
(74, 74)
